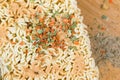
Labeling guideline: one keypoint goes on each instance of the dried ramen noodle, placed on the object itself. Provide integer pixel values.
(61, 49)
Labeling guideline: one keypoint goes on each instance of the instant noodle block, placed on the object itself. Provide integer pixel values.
(44, 40)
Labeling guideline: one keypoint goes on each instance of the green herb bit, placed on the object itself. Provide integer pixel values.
(99, 26)
(42, 52)
(67, 16)
(55, 32)
(28, 38)
(49, 39)
(48, 44)
(44, 46)
(39, 24)
(37, 39)
(40, 31)
(32, 0)
(49, 34)
(52, 40)
(74, 38)
(31, 41)
(9, 67)
(72, 47)
(56, 12)
(73, 26)
(104, 17)
(37, 45)
(69, 31)
(117, 38)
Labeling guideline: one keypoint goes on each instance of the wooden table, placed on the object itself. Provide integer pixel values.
(102, 20)
(92, 12)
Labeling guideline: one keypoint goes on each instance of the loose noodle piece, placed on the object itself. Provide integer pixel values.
(23, 59)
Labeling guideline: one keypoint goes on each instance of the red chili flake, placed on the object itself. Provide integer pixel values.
(34, 43)
(102, 51)
(26, 51)
(22, 43)
(110, 1)
(103, 28)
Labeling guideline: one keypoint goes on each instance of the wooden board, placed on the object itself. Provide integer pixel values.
(103, 23)
(92, 10)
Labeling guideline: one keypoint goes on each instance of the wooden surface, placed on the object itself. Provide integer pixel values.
(103, 34)
(92, 10)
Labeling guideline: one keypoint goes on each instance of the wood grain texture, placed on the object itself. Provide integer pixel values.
(92, 12)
